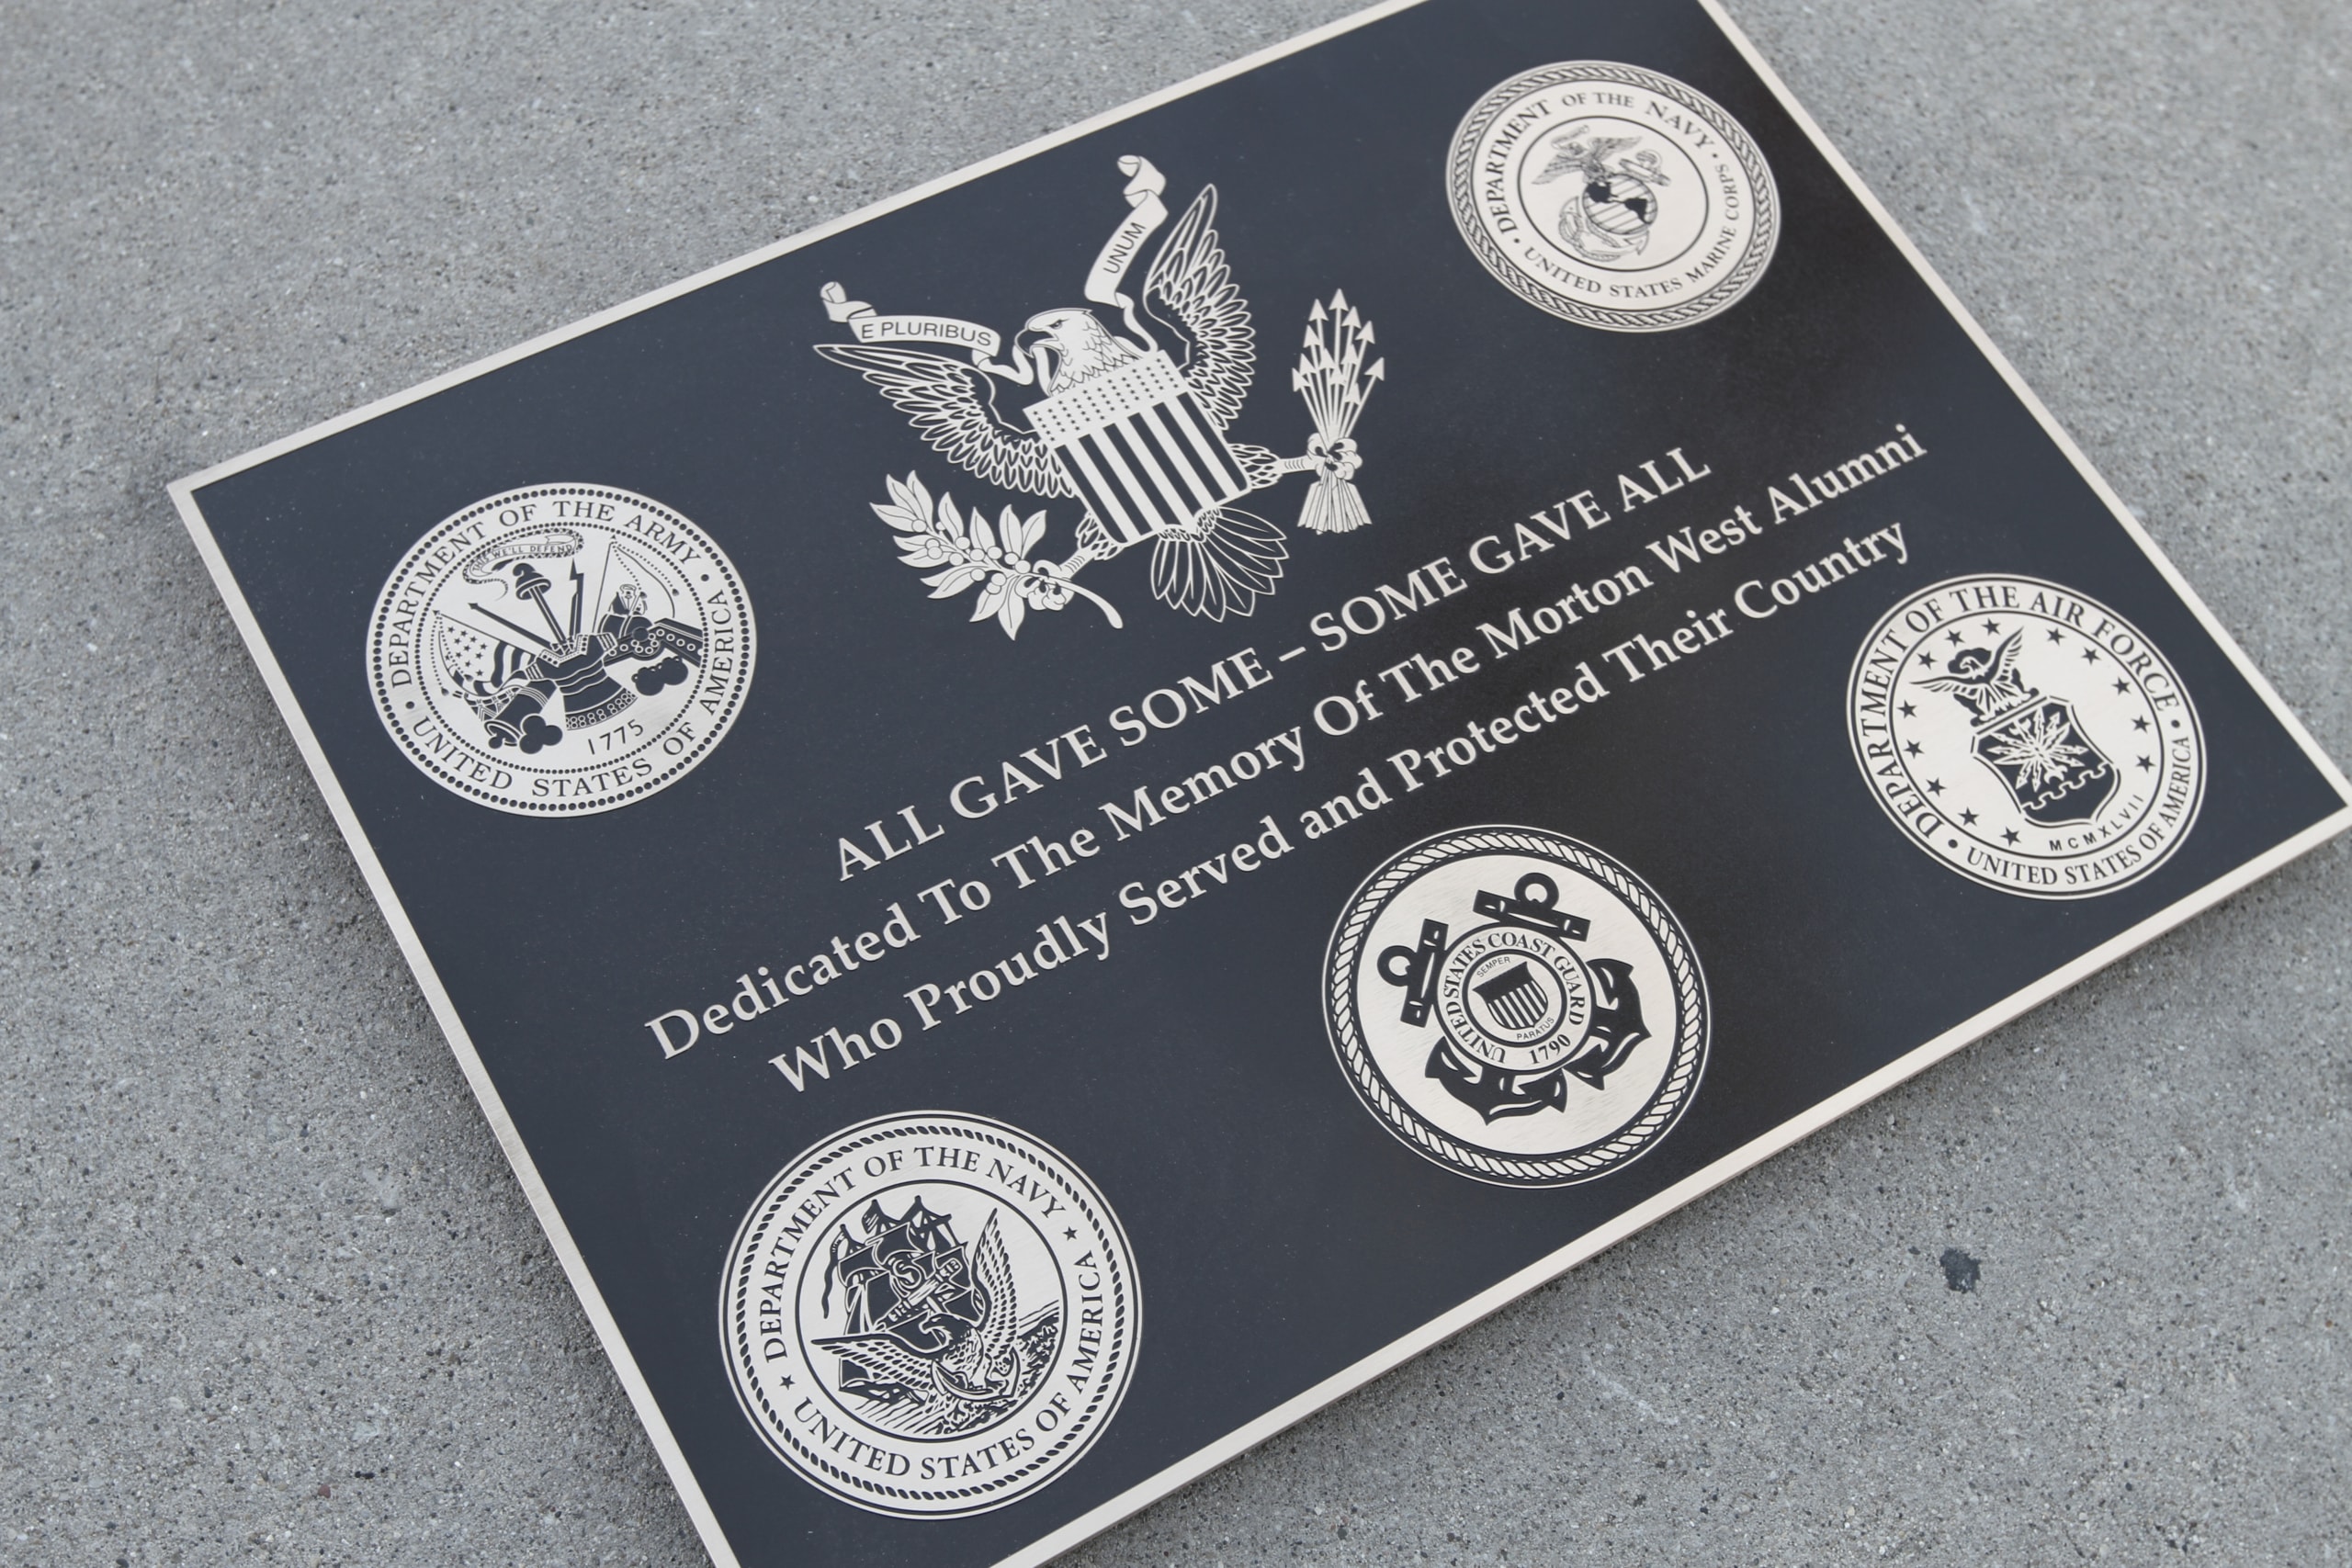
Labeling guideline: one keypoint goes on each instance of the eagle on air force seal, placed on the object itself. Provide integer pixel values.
(2027, 735)
(1516, 1006)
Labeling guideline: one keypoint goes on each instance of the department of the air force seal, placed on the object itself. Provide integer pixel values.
(1614, 197)
(1517, 1006)
(560, 650)
(930, 1314)
(2027, 737)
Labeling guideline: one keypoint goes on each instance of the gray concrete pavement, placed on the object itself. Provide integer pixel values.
(267, 1292)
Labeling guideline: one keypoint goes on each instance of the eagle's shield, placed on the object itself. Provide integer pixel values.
(1139, 449)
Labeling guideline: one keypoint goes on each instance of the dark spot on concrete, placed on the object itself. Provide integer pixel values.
(1960, 1270)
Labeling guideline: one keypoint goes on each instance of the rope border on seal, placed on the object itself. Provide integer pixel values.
(1462, 183)
(1085, 1426)
(1691, 1036)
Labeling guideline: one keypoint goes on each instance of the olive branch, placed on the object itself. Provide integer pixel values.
(970, 551)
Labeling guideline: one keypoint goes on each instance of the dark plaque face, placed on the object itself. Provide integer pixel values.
(1302, 712)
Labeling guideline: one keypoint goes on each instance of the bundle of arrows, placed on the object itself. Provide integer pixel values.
(1334, 380)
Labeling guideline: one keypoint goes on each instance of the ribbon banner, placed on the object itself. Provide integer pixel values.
(1147, 212)
(983, 341)
(1104, 281)
(868, 327)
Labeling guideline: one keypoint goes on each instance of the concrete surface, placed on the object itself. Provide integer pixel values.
(271, 1296)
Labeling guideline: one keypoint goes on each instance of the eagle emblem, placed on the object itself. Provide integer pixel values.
(1129, 421)
(2035, 745)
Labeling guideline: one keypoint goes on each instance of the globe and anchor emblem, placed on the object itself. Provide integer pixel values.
(1612, 197)
(1611, 212)
(1621, 206)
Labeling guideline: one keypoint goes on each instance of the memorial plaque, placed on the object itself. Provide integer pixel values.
(1060, 819)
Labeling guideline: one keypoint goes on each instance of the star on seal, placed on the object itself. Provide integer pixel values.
(2018, 763)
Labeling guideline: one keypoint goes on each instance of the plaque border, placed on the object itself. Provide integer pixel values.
(1544, 1269)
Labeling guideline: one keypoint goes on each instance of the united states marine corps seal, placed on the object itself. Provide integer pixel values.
(560, 650)
(1517, 1006)
(930, 1314)
(2030, 738)
(1614, 197)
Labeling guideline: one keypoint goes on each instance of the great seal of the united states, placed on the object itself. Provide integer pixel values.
(1613, 196)
(2026, 735)
(930, 1314)
(1516, 1006)
(560, 650)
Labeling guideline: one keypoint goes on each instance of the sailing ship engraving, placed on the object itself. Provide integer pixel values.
(938, 1343)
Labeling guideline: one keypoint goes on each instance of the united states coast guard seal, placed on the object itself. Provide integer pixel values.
(1517, 1006)
(2026, 735)
(1614, 197)
(930, 1314)
(560, 650)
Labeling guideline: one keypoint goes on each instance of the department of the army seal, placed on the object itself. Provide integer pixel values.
(930, 1314)
(1613, 196)
(560, 650)
(2027, 737)
(1516, 1006)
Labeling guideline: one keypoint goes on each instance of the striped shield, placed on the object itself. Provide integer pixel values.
(1139, 449)
(1516, 998)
